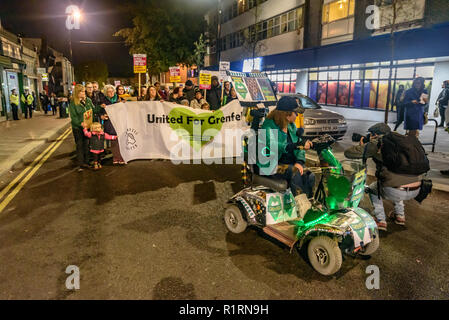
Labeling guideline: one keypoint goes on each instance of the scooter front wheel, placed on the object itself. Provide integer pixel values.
(234, 220)
(324, 255)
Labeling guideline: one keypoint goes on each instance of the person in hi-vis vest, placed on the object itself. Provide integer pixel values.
(14, 101)
(27, 99)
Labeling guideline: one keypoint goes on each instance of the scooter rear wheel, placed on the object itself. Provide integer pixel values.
(234, 220)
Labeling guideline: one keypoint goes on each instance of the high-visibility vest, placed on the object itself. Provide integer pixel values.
(28, 99)
(14, 99)
(299, 121)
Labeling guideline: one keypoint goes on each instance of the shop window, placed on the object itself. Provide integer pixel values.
(345, 75)
(333, 75)
(366, 94)
(280, 87)
(356, 94)
(321, 92)
(293, 87)
(385, 73)
(372, 94)
(332, 92)
(313, 76)
(343, 93)
(322, 76)
(313, 85)
(425, 72)
(372, 74)
(382, 95)
(355, 74)
(404, 73)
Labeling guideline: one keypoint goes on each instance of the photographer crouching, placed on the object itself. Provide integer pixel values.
(400, 163)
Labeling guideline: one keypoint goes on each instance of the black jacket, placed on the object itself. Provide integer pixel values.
(443, 98)
(107, 124)
(189, 94)
(213, 97)
(96, 142)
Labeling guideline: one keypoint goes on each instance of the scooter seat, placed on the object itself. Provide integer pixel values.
(278, 185)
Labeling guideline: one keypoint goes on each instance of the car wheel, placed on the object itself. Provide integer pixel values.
(324, 255)
(234, 220)
(371, 247)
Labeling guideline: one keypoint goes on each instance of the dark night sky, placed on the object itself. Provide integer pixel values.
(102, 18)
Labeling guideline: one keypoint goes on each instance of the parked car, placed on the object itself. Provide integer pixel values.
(319, 121)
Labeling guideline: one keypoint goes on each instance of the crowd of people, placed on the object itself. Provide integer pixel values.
(190, 95)
(88, 100)
(48, 103)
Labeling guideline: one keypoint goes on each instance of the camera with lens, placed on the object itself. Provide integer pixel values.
(357, 137)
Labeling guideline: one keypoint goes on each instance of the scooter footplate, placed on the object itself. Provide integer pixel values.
(283, 232)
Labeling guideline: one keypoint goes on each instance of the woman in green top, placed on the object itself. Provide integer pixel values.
(80, 109)
(282, 151)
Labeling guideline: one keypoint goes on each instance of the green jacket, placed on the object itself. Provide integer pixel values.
(271, 128)
(77, 112)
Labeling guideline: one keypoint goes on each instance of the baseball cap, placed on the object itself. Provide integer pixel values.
(288, 103)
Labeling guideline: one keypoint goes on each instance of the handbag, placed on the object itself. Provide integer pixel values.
(436, 113)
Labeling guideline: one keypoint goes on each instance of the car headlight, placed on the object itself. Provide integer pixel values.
(309, 122)
(342, 121)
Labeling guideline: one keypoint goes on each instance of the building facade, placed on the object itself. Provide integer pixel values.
(342, 53)
(11, 70)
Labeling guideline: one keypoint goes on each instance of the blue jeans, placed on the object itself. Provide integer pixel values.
(397, 196)
(304, 183)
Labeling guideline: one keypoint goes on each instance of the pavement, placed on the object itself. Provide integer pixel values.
(20, 138)
(155, 230)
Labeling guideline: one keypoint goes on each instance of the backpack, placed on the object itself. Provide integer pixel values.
(404, 154)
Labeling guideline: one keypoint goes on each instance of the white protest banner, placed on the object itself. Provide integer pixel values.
(163, 130)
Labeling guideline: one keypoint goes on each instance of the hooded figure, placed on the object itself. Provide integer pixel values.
(414, 104)
(213, 95)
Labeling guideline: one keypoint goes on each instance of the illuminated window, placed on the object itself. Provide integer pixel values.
(337, 10)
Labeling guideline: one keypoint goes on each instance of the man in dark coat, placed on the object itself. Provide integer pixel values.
(213, 96)
(189, 91)
(399, 106)
(443, 101)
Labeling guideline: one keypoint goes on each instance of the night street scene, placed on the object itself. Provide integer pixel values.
(235, 157)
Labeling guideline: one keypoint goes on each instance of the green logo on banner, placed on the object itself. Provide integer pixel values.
(189, 121)
(240, 87)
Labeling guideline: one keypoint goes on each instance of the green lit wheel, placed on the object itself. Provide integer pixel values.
(324, 255)
(234, 220)
(371, 247)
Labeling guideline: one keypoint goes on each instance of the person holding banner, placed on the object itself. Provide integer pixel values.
(228, 98)
(152, 94)
(81, 110)
(111, 98)
(213, 96)
(176, 96)
(198, 101)
(281, 135)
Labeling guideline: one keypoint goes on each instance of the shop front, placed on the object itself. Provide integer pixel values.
(352, 77)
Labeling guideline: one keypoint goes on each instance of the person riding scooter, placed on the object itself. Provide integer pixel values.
(281, 152)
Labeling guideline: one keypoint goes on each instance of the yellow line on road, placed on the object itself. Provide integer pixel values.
(33, 167)
(12, 183)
